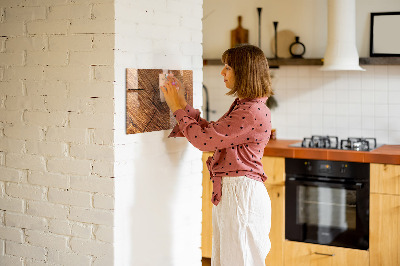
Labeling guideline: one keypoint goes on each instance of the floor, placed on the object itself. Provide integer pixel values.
(206, 261)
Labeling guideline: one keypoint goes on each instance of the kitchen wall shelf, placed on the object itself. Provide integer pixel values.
(380, 61)
(275, 63)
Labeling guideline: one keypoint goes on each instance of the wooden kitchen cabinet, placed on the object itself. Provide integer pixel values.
(274, 168)
(385, 178)
(277, 233)
(305, 254)
(384, 237)
(206, 225)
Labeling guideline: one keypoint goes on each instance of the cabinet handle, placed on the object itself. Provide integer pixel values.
(324, 254)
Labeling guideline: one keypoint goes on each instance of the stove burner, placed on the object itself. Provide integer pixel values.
(358, 144)
(328, 142)
(332, 142)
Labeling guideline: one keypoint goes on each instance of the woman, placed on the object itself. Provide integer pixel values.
(242, 208)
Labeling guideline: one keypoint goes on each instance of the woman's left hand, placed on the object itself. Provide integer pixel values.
(171, 95)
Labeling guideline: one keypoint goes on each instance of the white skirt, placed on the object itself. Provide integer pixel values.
(241, 223)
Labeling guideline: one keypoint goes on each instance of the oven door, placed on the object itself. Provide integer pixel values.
(327, 213)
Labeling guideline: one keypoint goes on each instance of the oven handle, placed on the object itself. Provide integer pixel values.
(357, 185)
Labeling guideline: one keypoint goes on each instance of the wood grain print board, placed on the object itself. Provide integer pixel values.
(146, 110)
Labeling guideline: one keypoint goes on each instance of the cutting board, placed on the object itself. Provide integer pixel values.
(239, 35)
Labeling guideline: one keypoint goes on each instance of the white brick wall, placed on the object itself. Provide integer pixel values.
(156, 177)
(62, 140)
(56, 132)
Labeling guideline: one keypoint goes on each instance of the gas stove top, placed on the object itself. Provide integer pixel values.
(332, 142)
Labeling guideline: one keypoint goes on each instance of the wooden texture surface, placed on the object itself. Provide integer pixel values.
(145, 112)
(385, 179)
(305, 254)
(239, 35)
(384, 236)
(274, 168)
(206, 232)
(277, 234)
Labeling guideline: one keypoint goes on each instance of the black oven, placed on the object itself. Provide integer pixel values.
(327, 202)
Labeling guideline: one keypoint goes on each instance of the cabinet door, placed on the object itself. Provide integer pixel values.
(274, 168)
(277, 233)
(385, 178)
(384, 230)
(206, 226)
(304, 254)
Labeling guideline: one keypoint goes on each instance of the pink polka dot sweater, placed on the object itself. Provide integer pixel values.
(238, 139)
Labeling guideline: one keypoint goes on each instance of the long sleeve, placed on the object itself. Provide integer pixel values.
(193, 113)
(238, 140)
(231, 130)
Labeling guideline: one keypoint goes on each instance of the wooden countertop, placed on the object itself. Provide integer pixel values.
(389, 154)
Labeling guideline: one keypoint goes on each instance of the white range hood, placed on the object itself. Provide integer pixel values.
(341, 51)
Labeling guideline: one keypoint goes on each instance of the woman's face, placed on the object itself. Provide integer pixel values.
(229, 76)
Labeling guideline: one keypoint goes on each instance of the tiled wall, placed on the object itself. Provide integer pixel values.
(158, 180)
(313, 102)
(56, 132)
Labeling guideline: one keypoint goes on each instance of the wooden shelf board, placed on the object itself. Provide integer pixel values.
(380, 61)
(275, 62)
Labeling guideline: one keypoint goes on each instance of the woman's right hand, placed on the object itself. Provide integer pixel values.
(181, 90)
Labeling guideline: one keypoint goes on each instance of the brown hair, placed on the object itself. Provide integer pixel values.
(250, 66)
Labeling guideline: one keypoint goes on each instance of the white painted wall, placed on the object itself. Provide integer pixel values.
(305, 18)
(158, 180)
(56, 132)
(344, 103)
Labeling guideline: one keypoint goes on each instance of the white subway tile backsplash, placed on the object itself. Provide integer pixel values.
(329, 109)
(342, 109)
(381, 84)
(381, 97)
(381, 110)
(393, 71)
(354, 81)
(368, 123)
(367, 97)
(342, 122)
(367, 110)
(381, 122)
(303, 82)
(394, 82)
(355, 132)
(394, 137)
(394, 123)
(355, 122)
(342, 97)
(381, 136)
(304, 72)
(380, 71)
(291, 71)
(394, 110)
(347, 103)
(394, 97)
(316, 82)
(355, 96)
(292, 82)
